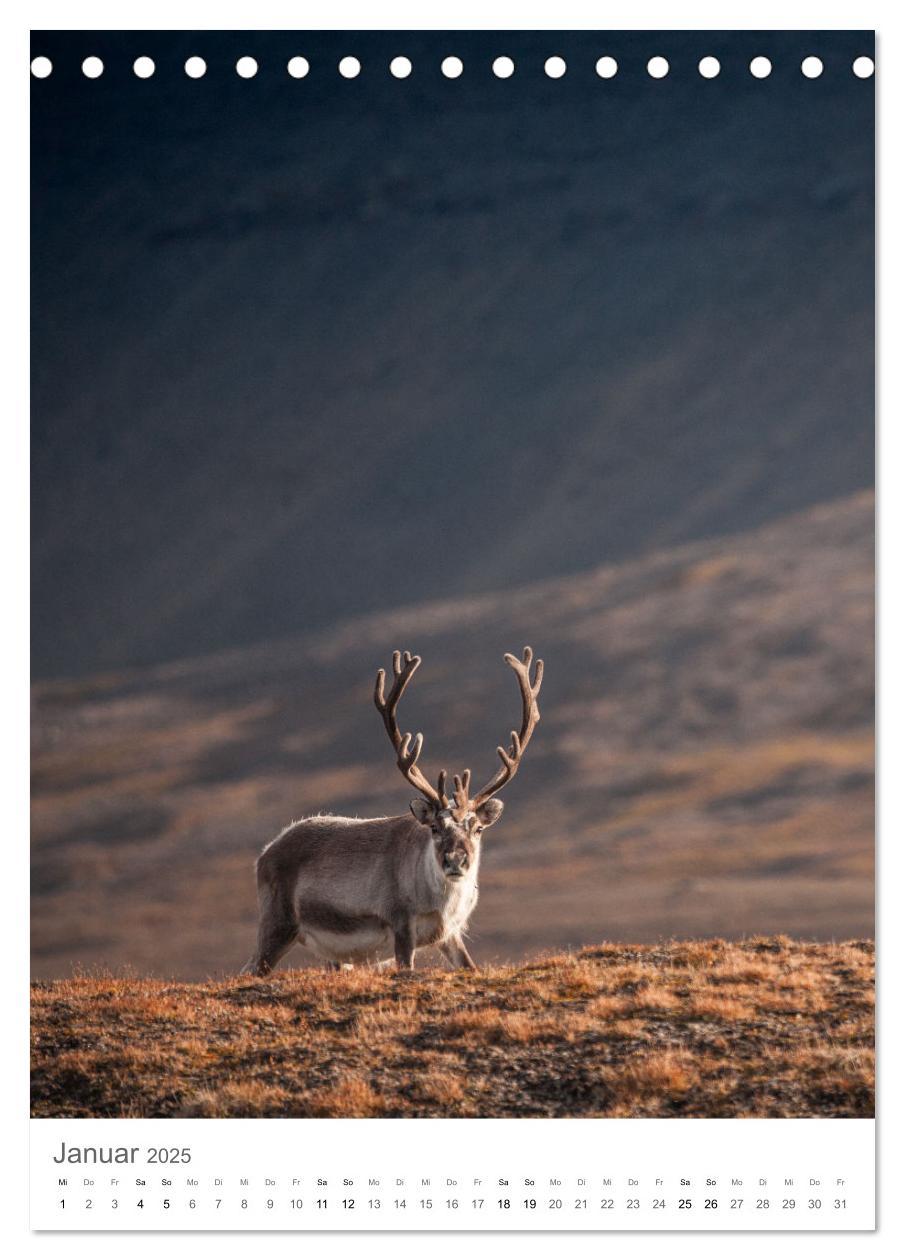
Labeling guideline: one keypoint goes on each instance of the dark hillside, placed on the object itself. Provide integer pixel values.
(304, 349)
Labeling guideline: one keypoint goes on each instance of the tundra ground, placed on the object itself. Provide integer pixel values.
(764, 1027)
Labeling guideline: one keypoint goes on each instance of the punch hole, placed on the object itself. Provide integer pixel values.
(350, 67)
(658, 67)
(298, 67)
(812, 67)
(92, 67)
(246, 67)
(761, 67)
(452, 67)
(143, 67)
(400, 67)
(504, 67)
(554, 67)
(42, 66)
(708, 67)
(863, 67)
(196, 67)
(606, 67)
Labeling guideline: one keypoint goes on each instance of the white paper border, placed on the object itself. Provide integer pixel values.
(887, 18)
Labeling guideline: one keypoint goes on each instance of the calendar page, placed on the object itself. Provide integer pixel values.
(452, 630)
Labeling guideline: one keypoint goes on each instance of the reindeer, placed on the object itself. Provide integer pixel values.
(373, 889)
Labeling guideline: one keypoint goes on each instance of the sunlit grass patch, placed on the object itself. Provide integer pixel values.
(764, 1027)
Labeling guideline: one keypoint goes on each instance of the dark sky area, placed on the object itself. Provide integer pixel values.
(307, 348)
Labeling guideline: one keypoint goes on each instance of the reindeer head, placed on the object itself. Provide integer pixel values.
(457, 823)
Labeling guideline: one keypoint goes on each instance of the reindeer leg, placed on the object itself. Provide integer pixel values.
(272, 945)
(277, 932)
(454, 951)
(404, 941)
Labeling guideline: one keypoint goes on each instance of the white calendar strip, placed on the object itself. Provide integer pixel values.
(452, 1174)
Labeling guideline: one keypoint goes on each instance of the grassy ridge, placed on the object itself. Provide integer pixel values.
(765, 1027)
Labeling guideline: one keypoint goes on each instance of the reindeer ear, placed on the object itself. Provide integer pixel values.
(423, 810)
(489, 813)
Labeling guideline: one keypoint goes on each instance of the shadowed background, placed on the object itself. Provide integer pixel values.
(323, 368)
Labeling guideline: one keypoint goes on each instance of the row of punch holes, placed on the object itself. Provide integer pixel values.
(453, 67)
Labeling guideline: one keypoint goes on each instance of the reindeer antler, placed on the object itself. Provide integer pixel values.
(463, 787)
(407, 753)
(511, 759)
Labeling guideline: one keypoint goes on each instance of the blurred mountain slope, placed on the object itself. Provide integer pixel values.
(703, 766)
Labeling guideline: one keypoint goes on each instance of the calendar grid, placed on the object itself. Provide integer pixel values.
(471, 1175)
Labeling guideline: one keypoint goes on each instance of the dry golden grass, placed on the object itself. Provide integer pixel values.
(765, 1027)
